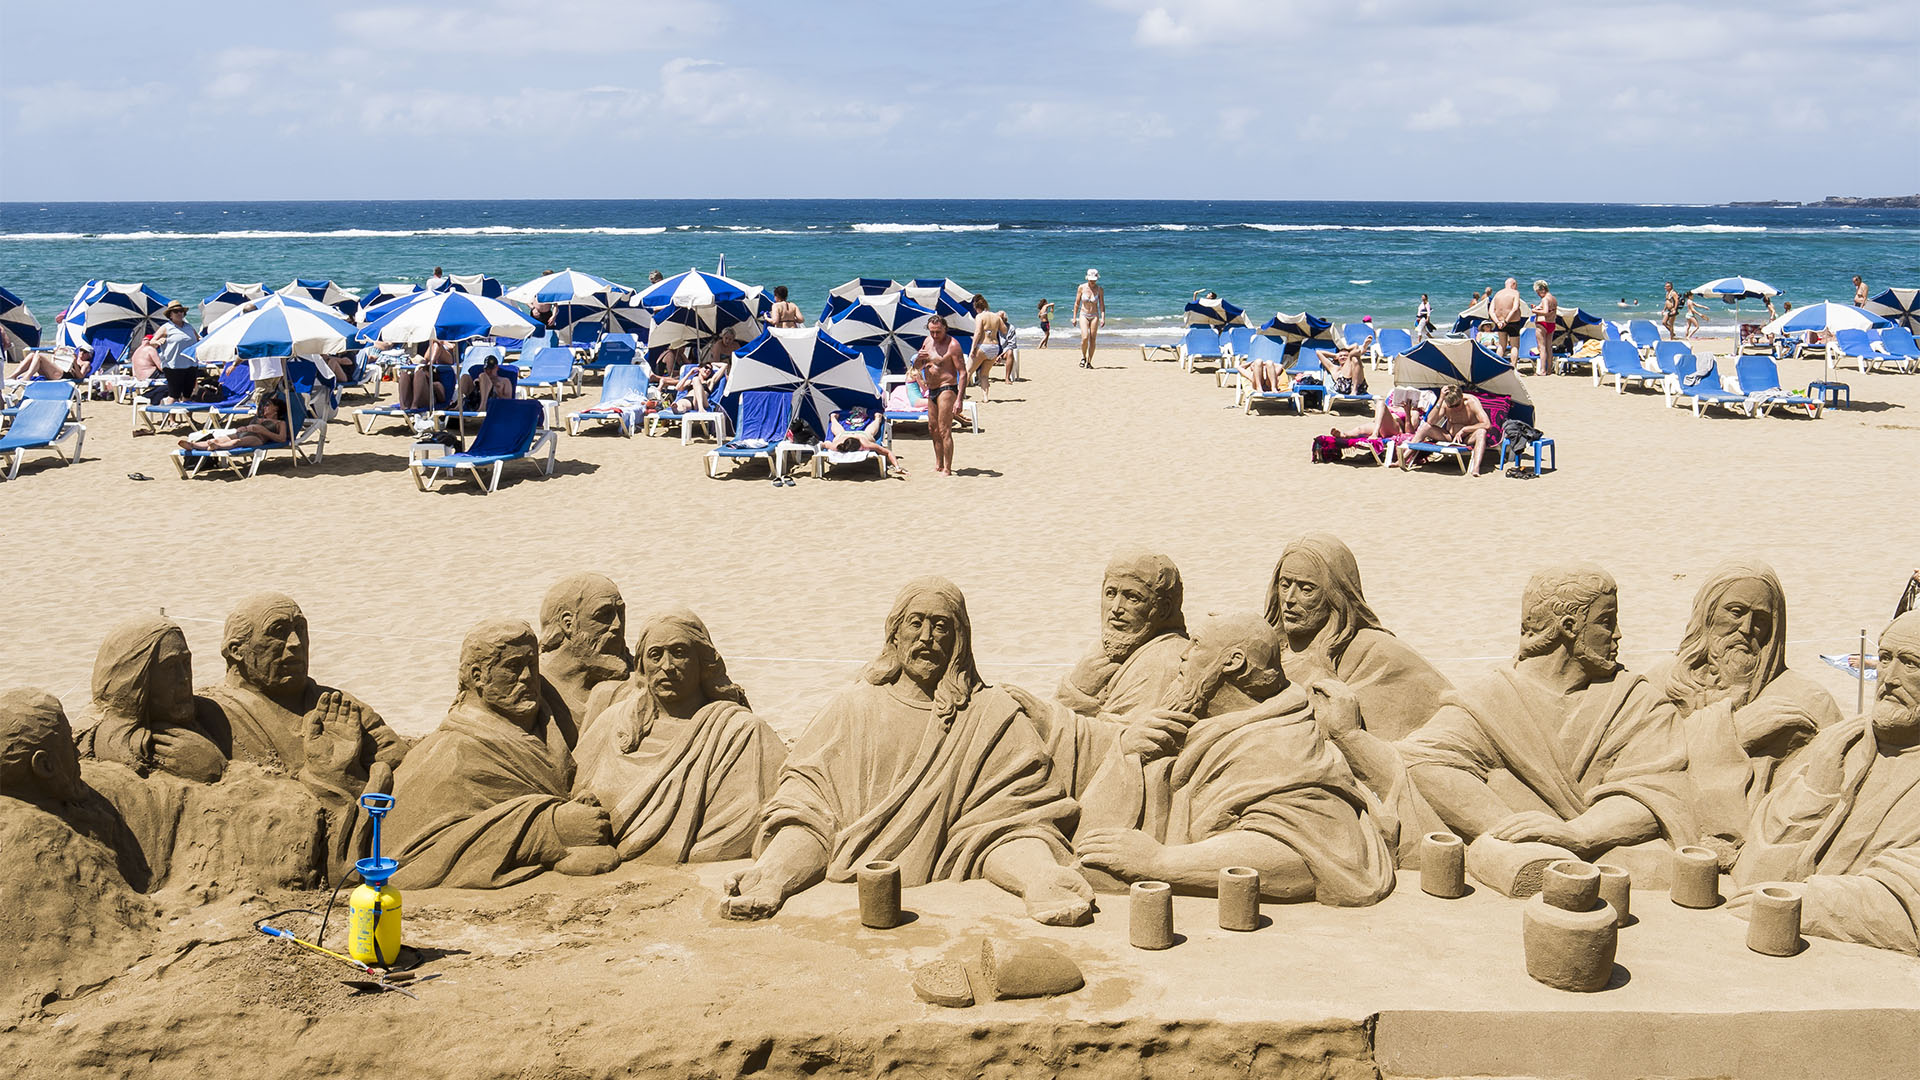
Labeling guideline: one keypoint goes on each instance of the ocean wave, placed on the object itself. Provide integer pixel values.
(1264, 227)
(896, 227)
(342, 234)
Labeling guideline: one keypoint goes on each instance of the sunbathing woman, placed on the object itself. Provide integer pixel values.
(268, 429)
(1459, 419)
(857, 429)
(418, 389)
(61, 363)
(1398, 414)
(1265, 375)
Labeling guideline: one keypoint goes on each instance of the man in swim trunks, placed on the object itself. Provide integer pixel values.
(1859, 292)
(1089, 314)
(937, 368)
(1547, 316)
(1459, 419)
(786, 313)
(989, 327)
(1669, 311)
(1509, 314)
(1046, 322)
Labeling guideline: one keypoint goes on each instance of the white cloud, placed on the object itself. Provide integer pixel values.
(1440, 116)
(512, 27)
(1159, 29)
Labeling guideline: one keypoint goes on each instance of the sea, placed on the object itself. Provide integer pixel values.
(1340, 260)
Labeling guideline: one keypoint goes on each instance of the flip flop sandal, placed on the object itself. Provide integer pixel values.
(138, 476)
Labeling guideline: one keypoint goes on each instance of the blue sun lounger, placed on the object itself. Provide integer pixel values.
(59, 390)
(1759, 380)
(511, 429)
(365, 416)
(759, 419)
(41, 424)
(1621, 361)
(1267, 350)
(548, 367)
(1706, 390)
(308, 429)
(623, 399)
(1201, 345)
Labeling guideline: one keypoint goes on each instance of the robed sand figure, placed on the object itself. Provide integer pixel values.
(583, 648)
(678, 759)
(1315, 598)
(486, 800)
(1845, 825)
(1236, 772)
(1143, 631)
(1742, 713)
(144, 713)
(924, 764)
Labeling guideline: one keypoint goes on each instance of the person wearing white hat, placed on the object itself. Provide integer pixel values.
(1089, 314)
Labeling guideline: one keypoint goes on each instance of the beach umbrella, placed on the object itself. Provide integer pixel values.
(117, 312)
(294, 299)
(1826, 317)
(824, 374)
(277, 326)
(447, 316)
(385, 292)
(845, 295)
(230, 296)
(626, 316)
(675, 325)
(1463, 362)
(614, 314)
(891, 325)
(946, 299)
(1900, 305)
(1733, 290)
(1215, 313)
(692, 289)
(324, 290)
(1295, 329)
(19, 330)
(471, 284)
(1481, 311)
(1574, 325)
(563, 286)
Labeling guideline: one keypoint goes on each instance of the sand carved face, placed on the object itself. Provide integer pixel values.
(170, 681)
(508, 681)
(1896, 711)
(597, 632)
(1129, 614)
(39, 761)
(1305, 598)
(1739, 629)
(924, 644)
(273, 656)
(674, 666)
(1596, 636)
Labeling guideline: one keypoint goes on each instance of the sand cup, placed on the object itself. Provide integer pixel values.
(1773, 921)
(1616, 888)
(880, 894)
(1151, 925)
(1443, 865)
(1239, 898)
(1696, 877)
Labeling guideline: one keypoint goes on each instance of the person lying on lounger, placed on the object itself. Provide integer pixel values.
(1458, 419)
(1265, 375)
(856, 429)
(61, 363)
(474, 391)
(1397, 414)
(269, 428)
(1348, 368)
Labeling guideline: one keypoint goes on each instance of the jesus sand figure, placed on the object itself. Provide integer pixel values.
(923, 764)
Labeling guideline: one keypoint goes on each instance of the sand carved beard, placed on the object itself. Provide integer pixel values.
(1595, 642)
(1739, 630)
(1130, 617)
(1896, 698)
(596, 638)
(925, 645)
(1305, 608)
(507, 684)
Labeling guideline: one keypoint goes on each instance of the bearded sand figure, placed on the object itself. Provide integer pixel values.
(924, 764)
(1142, 634)
(1599, 764)
(276, 715)
(483, 802)
(1846, 824)
(681, 764)
(1315, 598)
(1236, 772)
(144, 713)
(583, 648)
(1742, 713)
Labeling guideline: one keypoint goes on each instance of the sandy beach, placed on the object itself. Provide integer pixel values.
(1069, 465)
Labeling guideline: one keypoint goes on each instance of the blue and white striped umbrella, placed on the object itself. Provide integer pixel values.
(845, 295)
(18, 327)
(824, 374)
(383, 293)
(674, 325)
(1827, 316)
(558, 288)
(115, 311)
(1575, 325)
(1735, 289)
(447, 316)
(1297, 328)
(471, 284)
(324, 290)
(277, 326)
(1900, 305)
(946, 299)
(231, 295)
(1215, 313)
(1463, 362)
(292, 299)
(691, 290)
(891, 325)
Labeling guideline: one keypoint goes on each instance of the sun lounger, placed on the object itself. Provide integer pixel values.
(825, 456)
(1622, 361)
(1457, 453)
(613, 349)
(309, 430)
(365, 416)
(1643, 333)
(1706, 390)
(41, 424)
(1201, 345)
(549, 367)
(237, 384)
(1759, 379)
(759, 420)
(1389, 345)
(1899, 350)
(916, 410)
(511, 429)
(585, 336)
(712, 416)
(623, 399)
(1675, 361)
(60, 390)
(1267, 350)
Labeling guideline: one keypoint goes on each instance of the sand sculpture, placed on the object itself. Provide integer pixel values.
(1741, 713)
(923, 764)
(583, 648)
(1235, 773)
(273, 713)
(677, 758)
(1005, 969)
(1331, 633)
(1143, 631)
(1570, 935)
(144, 713)
(486, 800)
(1846, 824)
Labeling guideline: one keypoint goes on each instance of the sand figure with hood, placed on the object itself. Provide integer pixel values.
(924, 764)
(1743, 715)
(1331, 633)
(583, 648)
(1236, 772)
(1597, 765)
(1143, 631)
(144, 713)
(1845, 825)
(274, 714)
(486, 800)
(677, 758)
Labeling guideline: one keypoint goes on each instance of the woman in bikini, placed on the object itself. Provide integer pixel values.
(1046, 322)
(1546, 314)
(936, 369)
(1089, 312)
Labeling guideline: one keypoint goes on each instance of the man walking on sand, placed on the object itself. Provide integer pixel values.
(1669, 311)
(1509, 314)
(938, 368)
(1089, 315)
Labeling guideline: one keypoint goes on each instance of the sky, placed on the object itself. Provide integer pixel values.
(1630, 101)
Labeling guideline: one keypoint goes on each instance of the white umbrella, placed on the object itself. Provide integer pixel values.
(1826, 317)
(277, 326)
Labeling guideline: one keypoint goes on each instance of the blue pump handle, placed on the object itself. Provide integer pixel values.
(376, 804)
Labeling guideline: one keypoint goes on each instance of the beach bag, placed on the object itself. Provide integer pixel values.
(1326, 450)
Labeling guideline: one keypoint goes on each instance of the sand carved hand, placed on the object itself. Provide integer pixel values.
(1127, 854)
(581, 825)
(1536, 825)
(1156, 735)
(1335, 707)
(1058, 896)
(333, 735)
(187, 755)
(1773, 727)
(750, 894)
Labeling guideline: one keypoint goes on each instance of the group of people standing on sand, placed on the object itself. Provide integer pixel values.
(1301, 738)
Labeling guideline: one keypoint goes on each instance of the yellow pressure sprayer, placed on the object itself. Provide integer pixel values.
(373, 933)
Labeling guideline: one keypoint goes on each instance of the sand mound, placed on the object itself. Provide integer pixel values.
(68, 918)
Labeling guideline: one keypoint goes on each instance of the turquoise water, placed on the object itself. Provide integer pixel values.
(1339, 260)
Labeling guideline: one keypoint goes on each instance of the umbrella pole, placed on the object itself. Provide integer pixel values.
(1860, 695)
